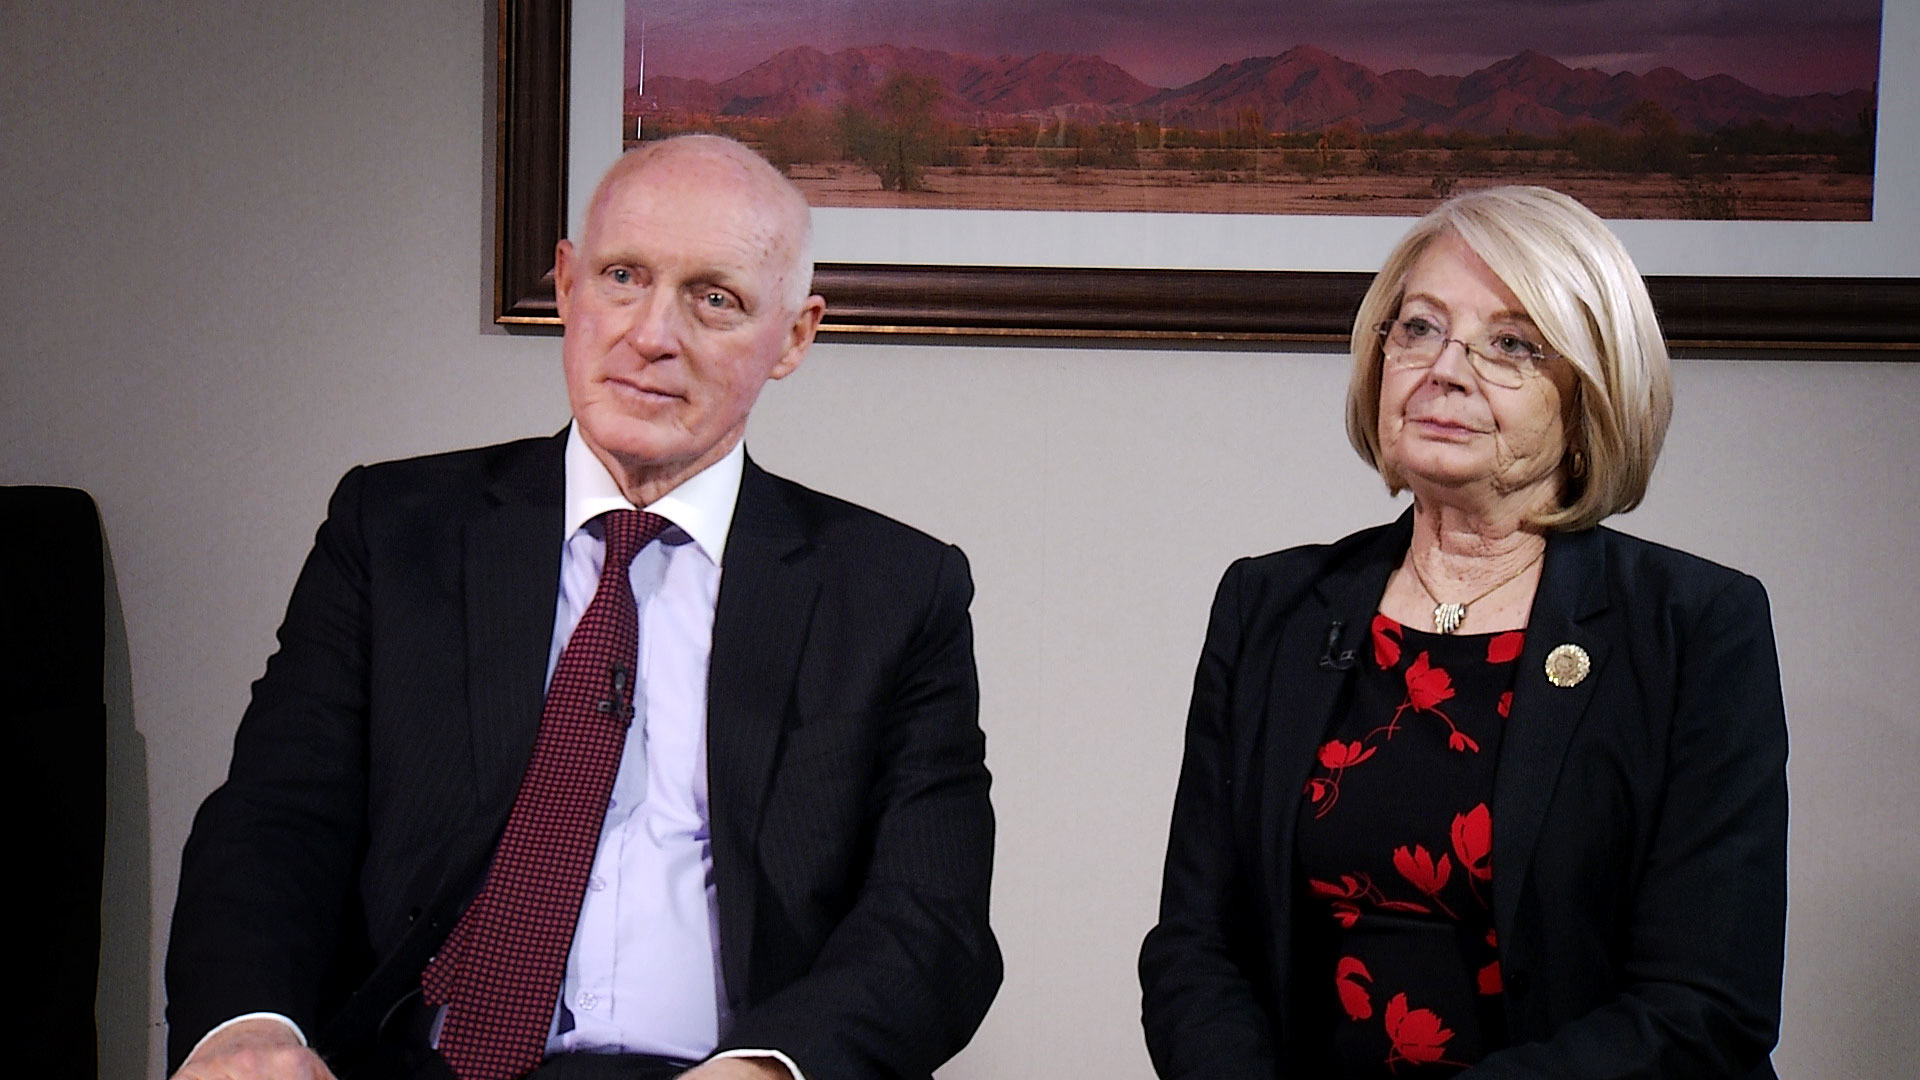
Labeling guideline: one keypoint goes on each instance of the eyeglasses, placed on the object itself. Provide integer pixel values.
(1503, 358)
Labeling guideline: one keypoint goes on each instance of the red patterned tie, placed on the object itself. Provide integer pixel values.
(499, 973)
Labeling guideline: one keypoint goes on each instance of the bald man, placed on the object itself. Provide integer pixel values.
(792, 861)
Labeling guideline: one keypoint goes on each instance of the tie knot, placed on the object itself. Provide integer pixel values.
(626, 532)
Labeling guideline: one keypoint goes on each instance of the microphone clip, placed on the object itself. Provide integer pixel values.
(1329, 659)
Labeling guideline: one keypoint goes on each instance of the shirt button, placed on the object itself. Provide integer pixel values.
(596, 883)
(586, 1001)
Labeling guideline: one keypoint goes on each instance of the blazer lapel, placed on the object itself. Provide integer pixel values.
(511, 570)
(767, 590)
(1566, 610)
(509, 565)
(1320, 645)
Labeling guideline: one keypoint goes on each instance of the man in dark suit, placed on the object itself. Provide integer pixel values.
(790, 872)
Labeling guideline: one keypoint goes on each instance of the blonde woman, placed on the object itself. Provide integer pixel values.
(1492, 790)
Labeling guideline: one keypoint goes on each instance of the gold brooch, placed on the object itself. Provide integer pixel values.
(1567, 665)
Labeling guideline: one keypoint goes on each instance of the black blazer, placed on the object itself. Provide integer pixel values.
(374, 769)
(1639, 848)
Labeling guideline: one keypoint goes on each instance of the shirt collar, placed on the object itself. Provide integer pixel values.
(702, 505)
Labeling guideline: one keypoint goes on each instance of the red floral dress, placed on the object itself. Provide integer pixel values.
(1395, 852)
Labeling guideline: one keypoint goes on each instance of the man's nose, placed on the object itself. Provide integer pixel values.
(654, 332)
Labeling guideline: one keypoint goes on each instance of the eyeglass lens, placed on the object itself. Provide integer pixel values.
(1503, 359)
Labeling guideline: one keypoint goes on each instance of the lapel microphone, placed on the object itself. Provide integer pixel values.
(1329, 660)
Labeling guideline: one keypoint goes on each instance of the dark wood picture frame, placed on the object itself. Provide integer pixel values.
(1851, 318)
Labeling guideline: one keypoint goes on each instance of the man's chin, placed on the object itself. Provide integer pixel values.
(640, 456)
(640, 440)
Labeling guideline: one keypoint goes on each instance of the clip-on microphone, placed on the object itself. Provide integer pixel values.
(1329, 661)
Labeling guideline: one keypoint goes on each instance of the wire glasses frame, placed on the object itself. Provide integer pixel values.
(1503, 358)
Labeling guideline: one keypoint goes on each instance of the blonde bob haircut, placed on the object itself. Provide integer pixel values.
(1579, 286)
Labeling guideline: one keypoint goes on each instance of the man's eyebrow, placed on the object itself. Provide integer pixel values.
(713, 274)
(600, 260)
(734, 278)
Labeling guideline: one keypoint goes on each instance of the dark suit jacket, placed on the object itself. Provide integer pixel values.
(375, 766)
(1639, 848)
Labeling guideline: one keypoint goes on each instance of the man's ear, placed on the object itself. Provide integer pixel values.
(806, 322)
(563, 270)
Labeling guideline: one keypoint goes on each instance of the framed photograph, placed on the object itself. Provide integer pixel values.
(1807, 287)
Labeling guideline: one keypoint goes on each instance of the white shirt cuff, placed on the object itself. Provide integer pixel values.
(774, 1054)
(295, 1028)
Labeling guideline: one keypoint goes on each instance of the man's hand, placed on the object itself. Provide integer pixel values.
(738, 1068)
(256, 1050)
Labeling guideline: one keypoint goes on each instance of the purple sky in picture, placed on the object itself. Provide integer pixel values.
(1780, 46)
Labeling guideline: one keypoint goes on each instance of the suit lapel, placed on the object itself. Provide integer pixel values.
(1566, 611)
(767, 589)
(511, 571)
(1308, 683)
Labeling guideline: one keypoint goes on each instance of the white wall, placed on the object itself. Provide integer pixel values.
(245, 248)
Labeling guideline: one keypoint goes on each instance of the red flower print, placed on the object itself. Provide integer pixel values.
(1353, 996)
(1418, 1036)
(1349, 887)
(1506, 704)
(1505, 648)
(1473, 841)
(1339, 755)
(1335, 757)
(1418, 867)
(1427, 686)
(1488, 981)
(1386, 643)
(1345, 911)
